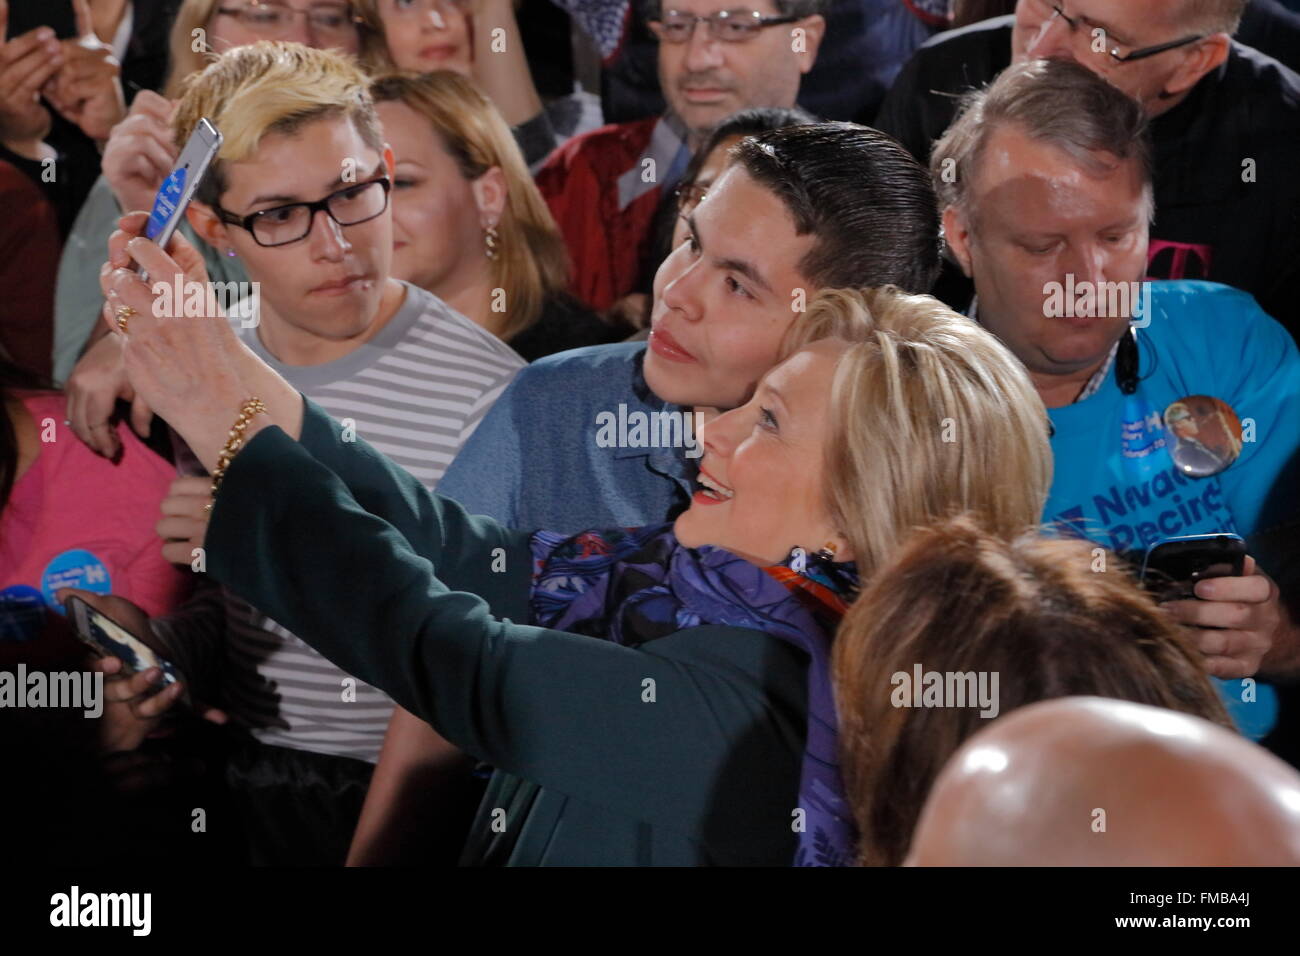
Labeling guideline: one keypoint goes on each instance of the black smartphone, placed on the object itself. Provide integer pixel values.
(27, 15)
(107, 638)
(1172, 566)
(178, 188)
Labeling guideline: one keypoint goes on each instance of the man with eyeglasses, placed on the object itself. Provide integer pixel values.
(715, 57)
(1225, 125)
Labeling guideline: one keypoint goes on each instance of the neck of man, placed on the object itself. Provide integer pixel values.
(1058, 389)
(470, 292)
(292, 345)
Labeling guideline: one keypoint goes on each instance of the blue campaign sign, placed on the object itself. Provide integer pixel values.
(164, 204)
(77, 568)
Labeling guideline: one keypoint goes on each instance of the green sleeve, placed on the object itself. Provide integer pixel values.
(479, 554)
(669, 734)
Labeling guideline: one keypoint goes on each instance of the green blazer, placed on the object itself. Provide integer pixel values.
(683, 751)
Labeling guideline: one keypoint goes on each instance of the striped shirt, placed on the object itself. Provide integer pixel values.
(414, 392)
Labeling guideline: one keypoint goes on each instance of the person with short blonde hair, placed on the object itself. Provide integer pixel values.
(922, 369)
(139, 154)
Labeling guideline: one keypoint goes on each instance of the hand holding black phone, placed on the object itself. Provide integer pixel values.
(1172, 566)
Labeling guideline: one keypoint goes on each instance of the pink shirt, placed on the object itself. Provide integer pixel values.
(77, 519)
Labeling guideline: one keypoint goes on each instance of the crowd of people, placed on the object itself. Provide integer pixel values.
(656, 433)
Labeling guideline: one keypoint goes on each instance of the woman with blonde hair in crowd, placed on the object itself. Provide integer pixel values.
(469, 224)
(723, 617)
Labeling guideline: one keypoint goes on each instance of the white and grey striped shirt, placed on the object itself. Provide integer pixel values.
(415, 393)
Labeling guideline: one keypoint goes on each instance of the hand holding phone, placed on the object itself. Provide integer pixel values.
(1209, 584)
(1173, 566)
(107, 638)
(178, 189)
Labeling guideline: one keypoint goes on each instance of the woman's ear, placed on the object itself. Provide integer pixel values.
(490, 195)
(207, 226)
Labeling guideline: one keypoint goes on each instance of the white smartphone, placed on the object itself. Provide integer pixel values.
(178, 188)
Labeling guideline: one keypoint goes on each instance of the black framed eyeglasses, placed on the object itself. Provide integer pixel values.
(1140, 54)
(281, 225)
(730, 26)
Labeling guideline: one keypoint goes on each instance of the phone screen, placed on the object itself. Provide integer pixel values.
(178, 188)
(1173, 566)
(107, 637)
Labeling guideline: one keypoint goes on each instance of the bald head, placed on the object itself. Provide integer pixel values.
(1087, 781)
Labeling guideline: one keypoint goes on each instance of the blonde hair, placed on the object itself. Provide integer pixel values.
(532, 264)
(271, 87)
(930, 416)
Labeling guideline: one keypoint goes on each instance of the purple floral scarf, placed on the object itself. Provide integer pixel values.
(635, 585)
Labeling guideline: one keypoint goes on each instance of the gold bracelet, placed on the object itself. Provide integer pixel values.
(234, 442)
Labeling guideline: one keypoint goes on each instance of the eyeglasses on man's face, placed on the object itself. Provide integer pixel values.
(730, 26)
(272, 19)
(281, 225)
(1081, 36)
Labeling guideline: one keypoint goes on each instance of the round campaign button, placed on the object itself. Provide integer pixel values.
(22, 613)
(1204, 435)
(77, 568)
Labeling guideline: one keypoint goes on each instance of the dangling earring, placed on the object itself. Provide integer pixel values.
(490, 238)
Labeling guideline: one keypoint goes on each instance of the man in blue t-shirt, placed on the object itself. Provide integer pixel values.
(1046, 189)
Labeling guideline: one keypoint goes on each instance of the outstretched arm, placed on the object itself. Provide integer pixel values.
(657, 733)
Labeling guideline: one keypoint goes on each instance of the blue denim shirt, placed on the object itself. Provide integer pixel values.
(534, 461)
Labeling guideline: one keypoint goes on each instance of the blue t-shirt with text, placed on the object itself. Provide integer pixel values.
(1115, 481)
